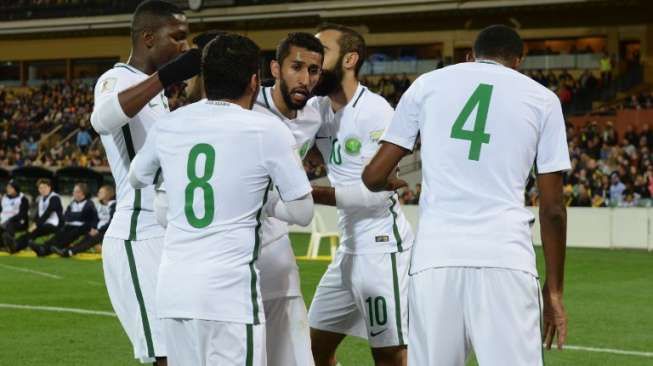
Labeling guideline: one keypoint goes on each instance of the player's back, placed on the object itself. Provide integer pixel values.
(216, 177)
(482, 128)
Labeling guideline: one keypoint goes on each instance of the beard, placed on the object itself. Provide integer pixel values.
(285, 93)
(330, 81)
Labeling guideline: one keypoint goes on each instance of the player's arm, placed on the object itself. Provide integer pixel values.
(115, 109)
(552, 160)
(295, 204)
(398, 141)
(142, 171)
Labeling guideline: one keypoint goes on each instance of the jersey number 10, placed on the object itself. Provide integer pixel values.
(477, 136)
(201, 182)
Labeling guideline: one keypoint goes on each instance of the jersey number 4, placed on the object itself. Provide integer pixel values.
(199, 182)
(477, 136)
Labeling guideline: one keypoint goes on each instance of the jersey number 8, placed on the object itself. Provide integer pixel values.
(202, 183)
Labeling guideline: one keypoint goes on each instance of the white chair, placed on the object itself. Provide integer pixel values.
(318, 231)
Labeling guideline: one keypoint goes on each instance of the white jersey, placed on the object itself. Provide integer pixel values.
(482, 127)
(348, 139)
(134, 217)
(217, 160)
(42, 204)
(303, 128)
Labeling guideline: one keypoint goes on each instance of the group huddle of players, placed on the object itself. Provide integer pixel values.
(198, 262)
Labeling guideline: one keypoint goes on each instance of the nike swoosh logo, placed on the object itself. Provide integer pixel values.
(372, 334)
(152, 105)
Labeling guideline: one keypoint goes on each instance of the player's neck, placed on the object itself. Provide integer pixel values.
(141, 64)
(280, 103)
(343, 96)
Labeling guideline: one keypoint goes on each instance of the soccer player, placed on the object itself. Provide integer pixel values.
(296, 71)
(365, 289)
(208, 291)
(473, 276)
(49, 215)
(128, 100)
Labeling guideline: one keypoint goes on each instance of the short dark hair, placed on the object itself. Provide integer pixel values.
(228, 63)
(201, 40)
(151, 15)
(45, 181)
(301, 40)
(498, 41)
(349, 41)
(109, 188)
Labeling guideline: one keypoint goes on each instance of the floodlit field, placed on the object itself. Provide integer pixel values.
(609, 298)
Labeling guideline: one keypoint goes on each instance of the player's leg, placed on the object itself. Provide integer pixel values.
(286, 319)
(503, 311)
(436, 332)
(40, 231)
(333, 312)
(380, 286)
(130, 271)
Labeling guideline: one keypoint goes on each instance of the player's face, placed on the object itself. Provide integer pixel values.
(298, 75)
(102, 194)
(332, 73)
(44, 189)
(10, 190)
(170, 40)
(78, 194)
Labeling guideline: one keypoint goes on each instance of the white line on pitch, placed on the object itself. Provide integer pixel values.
(609, 350)
(20, 269)
(57, 309)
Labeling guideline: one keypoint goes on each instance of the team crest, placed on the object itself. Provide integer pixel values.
(108, 85)
(353, 145)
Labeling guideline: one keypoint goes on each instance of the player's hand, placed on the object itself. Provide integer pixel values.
(181, 68)
(94, 232)
(395, 184)
(555, 318)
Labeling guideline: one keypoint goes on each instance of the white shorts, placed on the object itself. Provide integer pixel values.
(494, 311)
(288, 335)
(130, 273)
(278, 269)
(365, 296)
(194, 342)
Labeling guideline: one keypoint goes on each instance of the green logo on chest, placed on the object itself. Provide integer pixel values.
(304, 149)
(353, 146)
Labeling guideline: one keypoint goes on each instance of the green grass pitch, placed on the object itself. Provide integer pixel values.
(608, 295)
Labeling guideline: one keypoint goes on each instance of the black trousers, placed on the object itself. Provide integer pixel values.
(87, 242)
(66, 235)
(43, 230)
(8, 232)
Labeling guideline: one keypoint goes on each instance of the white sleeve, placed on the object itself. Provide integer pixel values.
(296, 212)
(404, 127)
(142, 170)
(108, 115)
(358, 196)
(282, 162)
(552, 147)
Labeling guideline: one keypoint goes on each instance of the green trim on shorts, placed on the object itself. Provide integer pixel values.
(395, 284)
(539, 304)
(395, 228)
(139, 297)
(257, 245)
(249, 360)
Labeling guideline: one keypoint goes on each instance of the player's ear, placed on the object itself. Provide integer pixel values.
(275, 69)
(148, 38)
(254, 83)
(350, 60)
(469, 57)
(516, 62)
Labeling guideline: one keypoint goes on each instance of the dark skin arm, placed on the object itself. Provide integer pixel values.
(134, 98)
(553, 224)
(379, 174)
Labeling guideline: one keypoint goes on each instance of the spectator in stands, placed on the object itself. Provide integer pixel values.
(80, 217)
(14, 215)
(84, 138)
(631, 136)
(606, 69)
(617, 189)
(609, 135)
(106, 207)
(49, 215)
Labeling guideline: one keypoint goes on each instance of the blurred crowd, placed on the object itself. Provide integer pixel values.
(608, 170)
